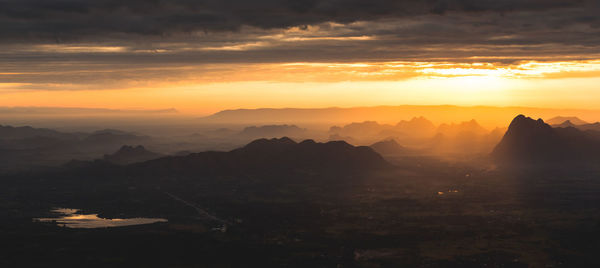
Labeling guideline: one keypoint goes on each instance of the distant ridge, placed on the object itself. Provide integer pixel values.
(388, 147)
(268, 131)
(416, 124)
(565, 124)
(467, 126)
(487, 116)
(71, 110)
(594, 126)
(583, 127)
(562, 119)
(10, 132)
(131, 154)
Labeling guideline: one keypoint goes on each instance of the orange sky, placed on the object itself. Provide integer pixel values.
(311, 54)
(571, 84)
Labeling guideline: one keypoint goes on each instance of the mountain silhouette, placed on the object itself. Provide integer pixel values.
(269, 131)
(113, 138)
(419, 125)
(10, 132)
(388, 147)
(562, 119)
(360, 129)
(367, 132)
(565, 124)
(130, 154)
(271, 155)
(583, 127)
(463, 127)
(26, 147)
(464, 138)
(486, 115)
(594, 127)
(533, 141)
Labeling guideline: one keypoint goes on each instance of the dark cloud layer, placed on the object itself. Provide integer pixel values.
(95, 42)
(68, 20)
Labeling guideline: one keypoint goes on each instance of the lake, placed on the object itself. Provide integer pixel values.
(70, 218)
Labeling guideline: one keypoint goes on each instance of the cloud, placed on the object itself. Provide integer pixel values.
(121, 43)
(68, 20)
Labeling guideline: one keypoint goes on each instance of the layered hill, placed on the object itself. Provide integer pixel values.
(131, 154)
(26, 147)
(487, 116)
(389, 147)
(271, 156)
(10, 132)
(562, 119)
(564, 124)
(583, 127)
(272, 131)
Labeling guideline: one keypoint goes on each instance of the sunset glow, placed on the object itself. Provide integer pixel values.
(206, 89)
(300, 133)
(459, 57)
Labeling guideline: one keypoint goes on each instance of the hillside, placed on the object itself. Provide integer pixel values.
(130, 154)
(269, 156)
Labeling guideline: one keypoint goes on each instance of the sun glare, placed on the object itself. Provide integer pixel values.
(473, 83)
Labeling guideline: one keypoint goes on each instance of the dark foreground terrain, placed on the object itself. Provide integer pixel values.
(445, 216)
(417, 212)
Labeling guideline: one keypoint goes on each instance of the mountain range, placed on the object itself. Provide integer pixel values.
(562, 119)
(26, 147)
(389, 147)
(487, 116)
(272, 131)
(586, 126)
(12, 133)
(131, 154)
(270, 156)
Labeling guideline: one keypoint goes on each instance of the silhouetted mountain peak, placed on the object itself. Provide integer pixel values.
(562, 119)
(305, 142)
(359, 128)
(454, 129)
(10, 132)
(132, 149)
(388, 142)
(273, 155)
(110, 131)
(131, 154)
(283, 141)
(528, 140)
(272, 131)
(285, 153)
(528, 126)
(417, 124)
(565, 124)
(417, 121)
(471, 123)
(339, 143)
(525, 140)
(388, 147)
(113, 137)
(522, 120)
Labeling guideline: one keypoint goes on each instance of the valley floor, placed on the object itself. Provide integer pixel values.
(431, 215)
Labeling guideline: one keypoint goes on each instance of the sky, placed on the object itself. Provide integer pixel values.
(200, 57)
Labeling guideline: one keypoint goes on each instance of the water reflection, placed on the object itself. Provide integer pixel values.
(69, 218)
